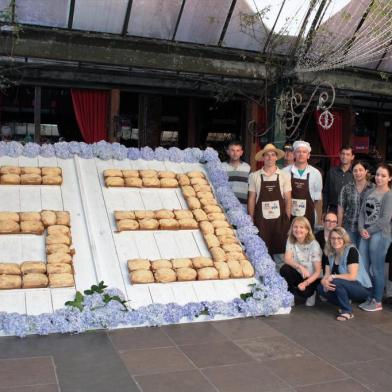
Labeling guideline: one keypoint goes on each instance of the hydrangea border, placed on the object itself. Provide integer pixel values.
(267, 296)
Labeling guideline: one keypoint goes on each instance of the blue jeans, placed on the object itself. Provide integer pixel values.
(355, 237)
(344, 291)
(373, 252)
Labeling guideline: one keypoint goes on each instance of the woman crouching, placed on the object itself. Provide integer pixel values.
(345, 276)
(302, 259)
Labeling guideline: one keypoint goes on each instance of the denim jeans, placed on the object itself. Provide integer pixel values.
(355, 237)
(373, 252)
(344, 291)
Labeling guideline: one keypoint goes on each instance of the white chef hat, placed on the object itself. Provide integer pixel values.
(302, 143)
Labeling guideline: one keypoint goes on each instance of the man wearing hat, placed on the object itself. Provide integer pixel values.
(269, 201)
(306, 183)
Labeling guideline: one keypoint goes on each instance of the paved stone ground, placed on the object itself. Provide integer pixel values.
(305, 351)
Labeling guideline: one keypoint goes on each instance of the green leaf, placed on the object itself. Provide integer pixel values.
(77, 302)
(245, 296)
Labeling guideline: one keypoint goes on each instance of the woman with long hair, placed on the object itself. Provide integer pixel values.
(302, 259)
(345, 277)
(351, 199)
(374, 226)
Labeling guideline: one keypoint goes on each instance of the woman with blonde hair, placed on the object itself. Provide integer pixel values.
(302, 259)
(345, 276)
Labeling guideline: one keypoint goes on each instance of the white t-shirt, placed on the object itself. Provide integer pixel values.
(305, 254)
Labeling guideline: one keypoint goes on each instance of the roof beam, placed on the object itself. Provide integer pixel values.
(273, 28)
(71, 13)
(126, 19)
(227, 21)
(178, 19)
(384, 54)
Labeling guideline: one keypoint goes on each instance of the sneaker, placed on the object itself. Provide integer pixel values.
(364, 304)
(372, 306)
(311, 301)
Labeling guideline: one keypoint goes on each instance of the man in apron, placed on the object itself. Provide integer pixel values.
(269, 202)
(306, 183)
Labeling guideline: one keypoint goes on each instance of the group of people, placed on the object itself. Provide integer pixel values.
(344, 261)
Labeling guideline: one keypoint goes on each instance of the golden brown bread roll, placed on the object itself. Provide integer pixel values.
(201, 262)
(143, 214)
(216, 216)
(206, 227)
(208, 209)
(160, 263)
(195, 174)
(10, 170)
(59, 268)
(130, 173)
(31, 281)
(247, 269)
(138, 264)
(188, 224)
(48, 218)
(169, 224)
(9, 227)
(12, 216)
(51, 171)
(211, 240)
(52, 180)
(200, 215)
(58, 239)
(235, 269)
(55, 248)
(224, 231)
(30, 170)
(219, 224)
(181, 263)
(127, 225)
(148, 173)
(236, 256)
(164, 214)
(10, 179)
(61, 280)
(193, 203)
(208, 202)
(166, 174)
(188, 191)
(114, 182)
(165, 275)
(63, 218)
(202, 188)
(32, 227)
(59, 229)
(112, 173)
(141, 276)
(207, 273)
(218, 254)
(183, 214)
(186, 274)
(119, 215)
(30, 179)
(169, 183)
(228, 239)
(198, 181)
(205, 195)
(232, 248)
(151, 182)
(183, 179)
(59, 257)
(9, 282)
(9, 269)
(133, 182)
(223, 269)
(33, 267)
(30, 216)
(148, 224)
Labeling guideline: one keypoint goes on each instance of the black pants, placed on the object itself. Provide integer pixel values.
(294, 278)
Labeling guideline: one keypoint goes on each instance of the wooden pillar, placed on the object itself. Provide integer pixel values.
(193, 123)
(348, 123)
(114, 112)
(252, 122)
(150, 118)
(37, 114)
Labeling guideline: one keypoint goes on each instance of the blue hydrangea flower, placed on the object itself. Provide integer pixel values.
(31, 150)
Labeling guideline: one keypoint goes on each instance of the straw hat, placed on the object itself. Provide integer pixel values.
(267, 148)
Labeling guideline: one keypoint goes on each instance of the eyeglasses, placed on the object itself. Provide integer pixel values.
(330, 221)
(336, 239)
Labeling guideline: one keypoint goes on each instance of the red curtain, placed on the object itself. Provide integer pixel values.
(331, 138)
(91, 109)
